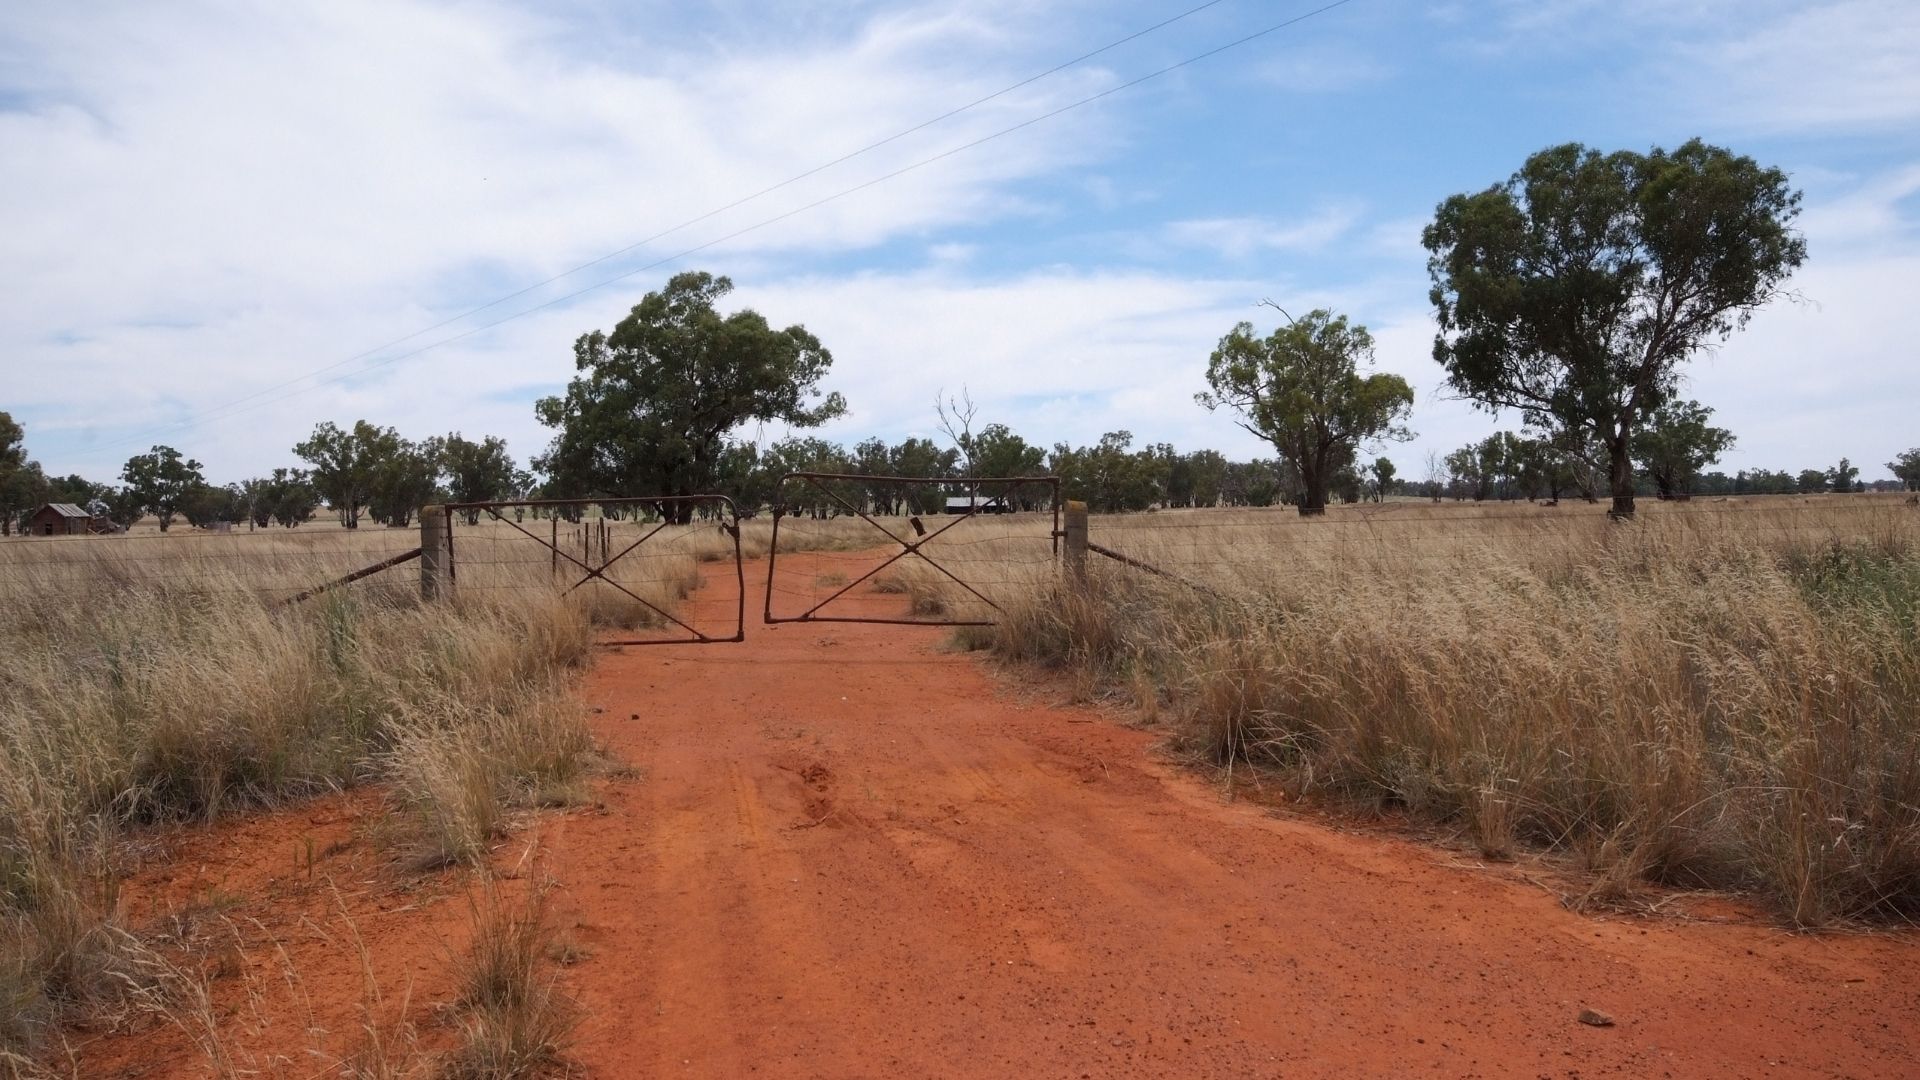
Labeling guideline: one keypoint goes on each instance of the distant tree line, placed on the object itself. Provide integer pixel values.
(1670, 455)
(359, 470)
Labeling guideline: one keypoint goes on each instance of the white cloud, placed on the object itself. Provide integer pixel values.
(1241, 237)
(1324, 70)
(1854, 65)
(1767, 66)
(1057, 354)
(1863, 214)
(203, 202)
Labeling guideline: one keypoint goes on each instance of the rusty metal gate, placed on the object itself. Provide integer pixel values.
(704, 529)
(1013, 541)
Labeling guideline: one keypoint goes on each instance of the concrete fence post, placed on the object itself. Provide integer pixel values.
(436, 555)
(1076, 537)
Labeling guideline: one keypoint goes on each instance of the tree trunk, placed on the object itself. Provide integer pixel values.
(1313, 478)
(1620, 475)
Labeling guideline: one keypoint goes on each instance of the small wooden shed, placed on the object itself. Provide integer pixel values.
(59, 519)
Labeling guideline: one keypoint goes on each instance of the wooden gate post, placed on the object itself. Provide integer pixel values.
(1076, 541)
(436, 554)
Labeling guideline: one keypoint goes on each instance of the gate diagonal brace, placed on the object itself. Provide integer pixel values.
(907, 547)
(598, 571)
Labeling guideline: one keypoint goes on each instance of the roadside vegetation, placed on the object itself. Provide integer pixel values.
(1721, 700)
(137, 702)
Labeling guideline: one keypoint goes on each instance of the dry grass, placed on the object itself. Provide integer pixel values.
(507, 1021)
(1723, 695)
(160, 690)
(463, 766)
(514, 1022)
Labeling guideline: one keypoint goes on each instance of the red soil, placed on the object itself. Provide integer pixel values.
(848, 853)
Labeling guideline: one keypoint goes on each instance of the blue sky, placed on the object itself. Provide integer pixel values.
(202, 203)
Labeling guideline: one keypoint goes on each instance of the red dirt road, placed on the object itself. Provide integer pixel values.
(848, 853)
(850, 856)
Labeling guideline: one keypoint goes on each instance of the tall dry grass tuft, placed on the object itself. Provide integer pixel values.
(460, 767)
(514, 1022)
(1669, 702)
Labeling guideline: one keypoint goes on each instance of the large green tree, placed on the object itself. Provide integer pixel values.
(997, 451)
(346, 464)
(291, 497)
(1842, 477)
(1110, 476)
(653, 403)
(210, 504)
(1301, 388)
(404, 480)
(477, 471)
(1576, 290)
(1676, 443)
(123, 507)
(1384, 474)
(162, 480)
(1205, 476)
(924, 458)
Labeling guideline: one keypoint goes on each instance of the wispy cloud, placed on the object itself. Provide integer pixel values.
(1851, 65)
(1241, 237)
(299, 183)
(1753, 65)
(1876, 212)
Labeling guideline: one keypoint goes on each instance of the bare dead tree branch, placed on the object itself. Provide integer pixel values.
(956, 420)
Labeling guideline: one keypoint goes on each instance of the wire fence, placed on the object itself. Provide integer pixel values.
(931, 566)
(271, 564)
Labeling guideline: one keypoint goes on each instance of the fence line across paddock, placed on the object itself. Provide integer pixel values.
(271, 565)
(998, 555)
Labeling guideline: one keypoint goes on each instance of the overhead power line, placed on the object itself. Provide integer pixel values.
(252, 402)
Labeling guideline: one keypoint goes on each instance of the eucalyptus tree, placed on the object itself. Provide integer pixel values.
(1906, 468)
(1576, 291)
(162, 480)
(346, 464)
(1676, 443)
(653, 402)
(1301, 388)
